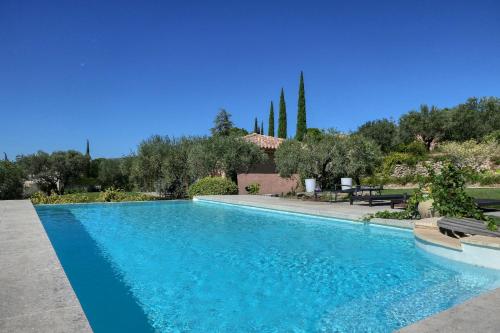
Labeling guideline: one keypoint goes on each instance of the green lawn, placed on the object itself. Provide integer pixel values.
(483, 193)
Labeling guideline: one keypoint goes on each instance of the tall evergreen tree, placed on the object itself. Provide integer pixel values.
(301, 114)
(262, 127)
(256, 126)
(87, 150)
(5, 158)
(282, 117)
(270, 128)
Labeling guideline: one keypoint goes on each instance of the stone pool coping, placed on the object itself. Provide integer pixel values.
(35, 293)
(338, 210)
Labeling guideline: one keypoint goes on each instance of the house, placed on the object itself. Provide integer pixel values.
(265, 174)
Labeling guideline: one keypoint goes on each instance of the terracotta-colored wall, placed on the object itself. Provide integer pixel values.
(270, 183)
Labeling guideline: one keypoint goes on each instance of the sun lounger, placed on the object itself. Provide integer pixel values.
(483, 203)
(379, 197)
(466, 226)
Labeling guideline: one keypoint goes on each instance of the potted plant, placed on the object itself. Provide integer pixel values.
(310, 184)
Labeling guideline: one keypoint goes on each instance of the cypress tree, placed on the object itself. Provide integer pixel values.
(301, 114)
(270, 129)
(256, 126)
(87, 151)
(262, 127)
(5, 158)
(282, 117)
(88, 158)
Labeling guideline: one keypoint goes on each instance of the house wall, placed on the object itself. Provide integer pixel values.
(270, 183)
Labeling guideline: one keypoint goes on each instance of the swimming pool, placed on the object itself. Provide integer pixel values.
(201, 267)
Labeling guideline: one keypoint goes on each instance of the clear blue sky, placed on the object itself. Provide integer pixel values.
(117, 72)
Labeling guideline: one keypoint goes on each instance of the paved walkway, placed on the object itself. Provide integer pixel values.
(342, 210)
(35, 294)
(479, 314)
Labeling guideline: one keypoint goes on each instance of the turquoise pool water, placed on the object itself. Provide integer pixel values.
(186, 266)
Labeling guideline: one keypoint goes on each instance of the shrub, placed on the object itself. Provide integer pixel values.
(253, 188)
(471, 154)
(393, 159)
(415, 148)
(213, 186)
(111, 194)
(450, 198)
(42, 198)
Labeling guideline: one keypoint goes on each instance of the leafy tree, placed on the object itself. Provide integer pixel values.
(161, 165)
(383, 132)
(67, 167)
(113, 172)
(327, 158)
(282, 117)
(226, 156)
(363, 156)
(11, 181)
(222, 123)
(301, 114)
(426, 125)
(270, 128)
(489, 109)
(54, 172)
(236, 131)
(314, 134)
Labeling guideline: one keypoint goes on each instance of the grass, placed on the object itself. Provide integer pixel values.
(483, 193)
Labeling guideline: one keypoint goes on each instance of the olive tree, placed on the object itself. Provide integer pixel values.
(161, 165)
(223, 155)
(384, 132)
(426, 125)
(11, 181)
(327, 158)
(54, 172)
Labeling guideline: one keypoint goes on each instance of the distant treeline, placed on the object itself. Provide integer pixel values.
(169, 165)
(475, 119)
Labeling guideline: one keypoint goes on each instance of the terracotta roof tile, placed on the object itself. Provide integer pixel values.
(264, 141)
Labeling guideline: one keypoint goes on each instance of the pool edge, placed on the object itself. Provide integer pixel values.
(300, 212)
(38, 294)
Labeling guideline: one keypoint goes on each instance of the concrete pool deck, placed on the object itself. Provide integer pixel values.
(35, 294)
(340, 209)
